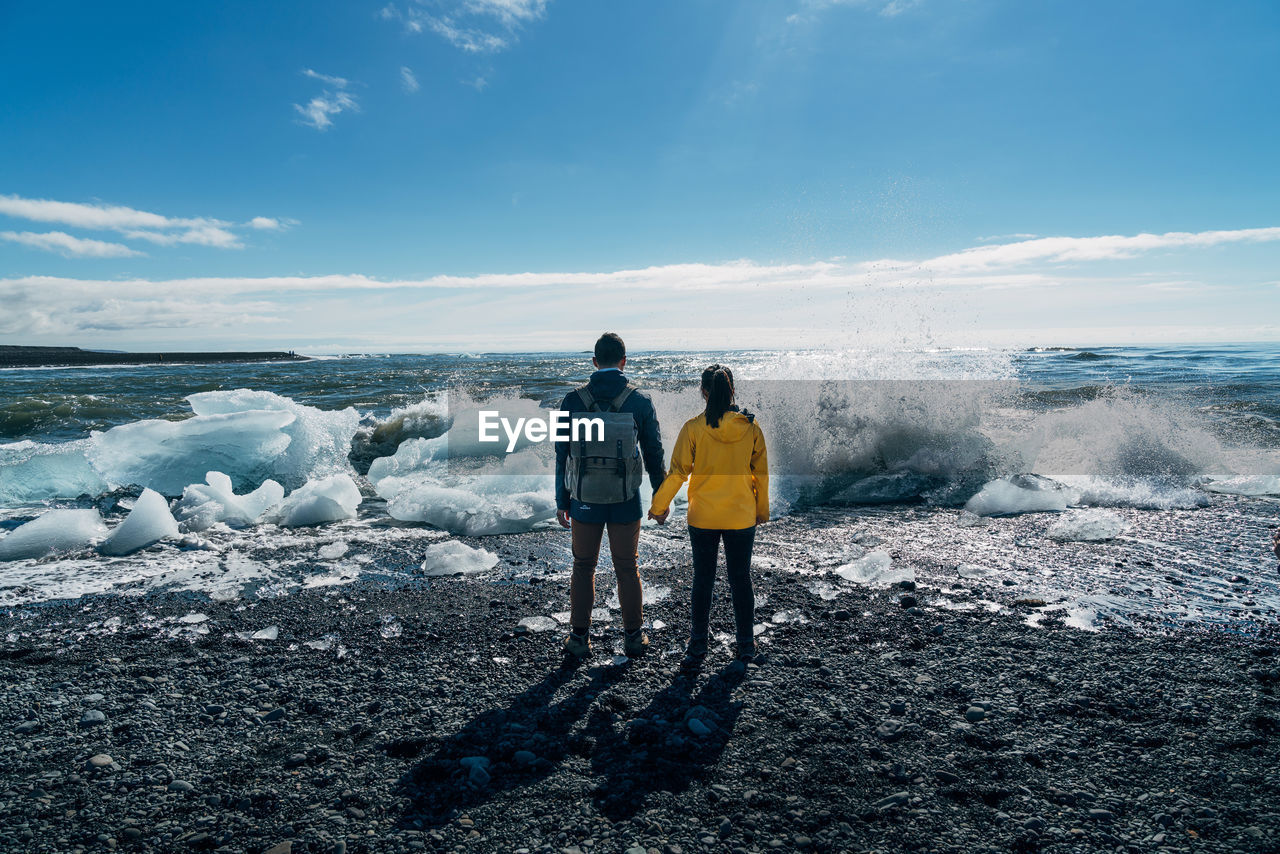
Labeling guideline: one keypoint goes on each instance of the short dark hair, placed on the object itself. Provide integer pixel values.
(610, 350)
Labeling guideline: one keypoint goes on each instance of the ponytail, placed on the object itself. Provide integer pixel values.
(717, 382)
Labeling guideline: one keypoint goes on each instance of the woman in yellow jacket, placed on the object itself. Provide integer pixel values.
(722, 454)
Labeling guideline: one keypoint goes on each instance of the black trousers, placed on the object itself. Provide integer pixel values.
(737, 557)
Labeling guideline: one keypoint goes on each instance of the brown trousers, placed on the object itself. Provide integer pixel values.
(624, 545)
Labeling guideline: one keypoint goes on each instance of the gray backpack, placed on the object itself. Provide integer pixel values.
(605, 470)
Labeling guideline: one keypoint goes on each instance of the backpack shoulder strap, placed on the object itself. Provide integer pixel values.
(587, 398)
(615, 405)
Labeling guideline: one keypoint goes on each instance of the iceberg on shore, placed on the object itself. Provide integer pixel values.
(148, 522)
(319, 501)
(55, 531)
(1087, 526)
(204, 505)
(251, 436)
(1024, 493)
(452, 557)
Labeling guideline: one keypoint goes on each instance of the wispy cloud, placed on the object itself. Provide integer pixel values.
(408, 81)
(1073, 249)
(809, 9)
(473, 26)
(129, 222)
(65, 244)
(320, 110)
(1022, 286)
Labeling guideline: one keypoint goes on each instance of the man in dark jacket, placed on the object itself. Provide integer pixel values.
(588, 522)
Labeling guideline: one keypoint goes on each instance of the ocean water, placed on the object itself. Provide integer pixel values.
(1117, 468)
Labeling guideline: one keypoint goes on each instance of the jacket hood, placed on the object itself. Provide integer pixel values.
(733, 426)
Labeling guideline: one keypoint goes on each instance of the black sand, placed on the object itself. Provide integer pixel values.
(1009, 737)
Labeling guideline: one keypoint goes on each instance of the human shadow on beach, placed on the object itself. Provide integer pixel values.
(504, 748)
(677, 739)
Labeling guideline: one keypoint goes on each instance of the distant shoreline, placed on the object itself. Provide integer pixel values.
(45, 357)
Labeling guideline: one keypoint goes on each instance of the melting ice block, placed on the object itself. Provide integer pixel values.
(1087, 526)
(457, 483)
(317, 440)
(205, 504)
(875, 569)
(452, 557)
(148, 522)
(55, 531)
(319, 501)
(1024, 493)
(1250, 485)
(31, 471)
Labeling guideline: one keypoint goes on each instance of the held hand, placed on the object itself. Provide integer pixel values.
(660, 518)
(562, 516)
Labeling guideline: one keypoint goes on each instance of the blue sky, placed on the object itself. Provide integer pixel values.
(517, 173)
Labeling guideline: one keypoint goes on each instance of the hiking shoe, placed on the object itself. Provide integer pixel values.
(694, 654)
(577, 645)
(635, 644)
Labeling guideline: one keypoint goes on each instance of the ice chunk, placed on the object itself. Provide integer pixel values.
(168, 455)
(334, 550)
(319, 440)
(471, 512)
(875, 569)
(148, 522)
(1088, 526)
(390, 627)
(452, 557)
(456, 483)
(30, 471)
(1261, 484)
(55, 531)
(538, 624)
(973, 570)
(319, 501)
(270, 633)
(205, 504)
(1025, 493)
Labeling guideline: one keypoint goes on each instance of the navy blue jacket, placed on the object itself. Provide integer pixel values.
(604, 387)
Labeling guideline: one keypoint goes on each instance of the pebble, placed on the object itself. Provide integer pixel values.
(974, 714)
(92, 717)
(889, 801)
(100, 760)
(181, 786)
(897, 706)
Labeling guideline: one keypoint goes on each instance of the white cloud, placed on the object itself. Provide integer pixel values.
(1069, 284)
(65, 244)
(408, 81)
(319, 111)
(1056, 250)
(265, 223)
(130, 222)
(473, 26)
(339, 82)
(890, 9)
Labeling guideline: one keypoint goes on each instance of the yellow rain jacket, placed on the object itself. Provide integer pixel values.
(728, 472)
